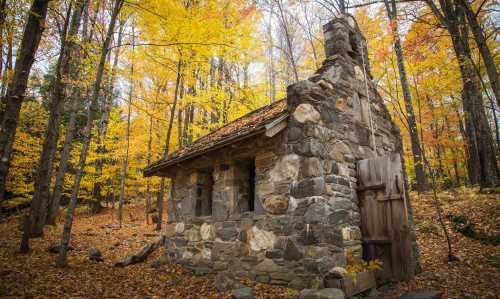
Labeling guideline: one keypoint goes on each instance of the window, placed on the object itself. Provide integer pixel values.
(204, 194)
(246, 180)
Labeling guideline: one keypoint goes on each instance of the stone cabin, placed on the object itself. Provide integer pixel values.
(277, 195)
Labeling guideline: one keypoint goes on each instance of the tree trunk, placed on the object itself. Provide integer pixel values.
(167, 144)
(76, 98)
(65, 155)
(288, 40)
(40, 199)
(15, 92)
(412, 124)
(61, 260)
(102, 127)
(3, 8)
(489, 62)
(127, 134)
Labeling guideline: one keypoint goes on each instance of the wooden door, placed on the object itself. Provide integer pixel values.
(384, 216)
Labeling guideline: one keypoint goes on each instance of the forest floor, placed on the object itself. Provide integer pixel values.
(476, 274)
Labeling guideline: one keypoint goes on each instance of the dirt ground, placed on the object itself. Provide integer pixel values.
(475, 275)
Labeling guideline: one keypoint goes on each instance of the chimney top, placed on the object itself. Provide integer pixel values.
(344, 38)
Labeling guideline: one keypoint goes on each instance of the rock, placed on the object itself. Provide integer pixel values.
(227, 233)
(316, 213)
(243, 293)
(193, 235)
(308, 294)
(276, 204)
(169, 230)
(286, 169)
(291, 252)
(224, 281)
(309, 187)
(298, 283)
(95, 255)
(207, 232)
(328, 293)
(337, 272)
(311, 167)
(260, 239)
(306, 113)
(423, 294)
(156, 264)
(269, 266)
(338, 150)
(179, 227)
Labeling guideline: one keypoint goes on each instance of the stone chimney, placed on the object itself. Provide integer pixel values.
(344, 38)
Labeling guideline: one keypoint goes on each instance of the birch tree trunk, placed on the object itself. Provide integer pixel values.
(412, 124)
(161, 192)
(17, 87)
(61, 260)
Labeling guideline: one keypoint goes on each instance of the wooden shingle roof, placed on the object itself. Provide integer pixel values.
(244, 127)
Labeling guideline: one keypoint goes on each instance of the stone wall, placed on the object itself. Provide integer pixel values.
(306, 216)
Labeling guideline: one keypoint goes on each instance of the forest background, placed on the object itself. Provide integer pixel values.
(116, 85)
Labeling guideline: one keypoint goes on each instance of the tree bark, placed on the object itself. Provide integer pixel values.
(479, 37)
(167, 144)
(65, 155)
(17, 87)
(76, 98)
(61, 260)
(40, 199)
(412, 124)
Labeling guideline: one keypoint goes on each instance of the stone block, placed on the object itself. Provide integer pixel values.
(316, 213)
(294, 134)
(310, 147)
(276, 204)
(207, 232)
(286, 169)
(309, 187)
(316, 251)
(193, 235)
(179, 228)
(260, 239)
(269, 266)
(243, 293)
(226, 233)
(338, 217)
(291, 252)
(311, 167)
(169, 230)
(338, 150)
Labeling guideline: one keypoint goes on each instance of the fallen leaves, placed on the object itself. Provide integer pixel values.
(34, 274)
(474, 274)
